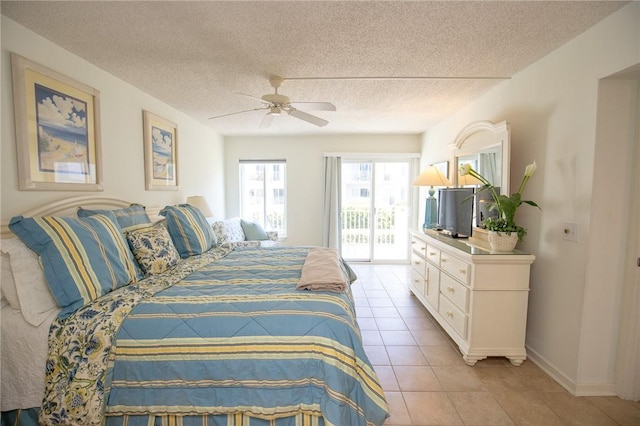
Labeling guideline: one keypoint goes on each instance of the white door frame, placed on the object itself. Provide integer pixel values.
(627, 384)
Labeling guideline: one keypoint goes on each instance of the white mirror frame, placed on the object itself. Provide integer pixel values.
(479, 136)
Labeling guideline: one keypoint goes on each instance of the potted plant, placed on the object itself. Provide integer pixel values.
(506, 205)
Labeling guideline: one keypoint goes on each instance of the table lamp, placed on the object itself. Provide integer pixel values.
(431, 176)
(467, 180)
(200, 202)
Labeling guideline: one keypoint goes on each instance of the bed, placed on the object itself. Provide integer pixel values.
(223, 336)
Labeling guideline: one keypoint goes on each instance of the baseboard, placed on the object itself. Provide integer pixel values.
(590, 389)
(596, 389)
(551, 370)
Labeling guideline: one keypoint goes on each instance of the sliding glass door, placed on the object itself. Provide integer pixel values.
(375, 210)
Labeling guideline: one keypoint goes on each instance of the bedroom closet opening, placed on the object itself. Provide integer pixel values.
(375, 210)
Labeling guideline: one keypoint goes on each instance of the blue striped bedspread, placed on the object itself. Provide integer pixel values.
(236, 336)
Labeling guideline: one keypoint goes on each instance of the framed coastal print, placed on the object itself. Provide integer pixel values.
(160, 152)
(57, 130)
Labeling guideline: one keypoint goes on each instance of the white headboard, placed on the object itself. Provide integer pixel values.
(69, 206)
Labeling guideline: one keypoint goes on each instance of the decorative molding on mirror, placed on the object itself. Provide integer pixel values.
(487, 146)
(481, 136)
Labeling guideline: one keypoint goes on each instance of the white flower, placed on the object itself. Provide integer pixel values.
(464, 169)
(528, 172)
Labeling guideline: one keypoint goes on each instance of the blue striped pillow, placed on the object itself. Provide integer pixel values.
(128, 217)
(189, 229)
(82, 258)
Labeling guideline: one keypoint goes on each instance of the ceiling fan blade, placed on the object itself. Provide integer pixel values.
(239, 112)
(267, 120)
(320, 122)
(314, 106)
(253, 97)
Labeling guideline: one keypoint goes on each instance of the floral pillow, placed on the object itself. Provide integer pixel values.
(228, 230)
(153, 249)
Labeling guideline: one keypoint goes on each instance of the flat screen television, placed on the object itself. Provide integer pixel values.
(455, 211)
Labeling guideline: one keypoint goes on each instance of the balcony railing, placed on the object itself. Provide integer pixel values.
(356, 229)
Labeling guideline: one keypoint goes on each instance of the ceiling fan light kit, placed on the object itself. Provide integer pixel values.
(276, 104)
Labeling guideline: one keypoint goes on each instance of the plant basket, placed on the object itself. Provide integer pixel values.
(502, 242)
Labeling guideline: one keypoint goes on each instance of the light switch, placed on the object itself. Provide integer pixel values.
(570, 231)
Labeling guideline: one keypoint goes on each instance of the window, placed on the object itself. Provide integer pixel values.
(263, 193)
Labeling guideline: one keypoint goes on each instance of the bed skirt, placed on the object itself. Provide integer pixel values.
(29, 417)
(21, 417)
(237, 419)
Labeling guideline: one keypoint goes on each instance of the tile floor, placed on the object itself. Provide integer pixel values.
(426, 381)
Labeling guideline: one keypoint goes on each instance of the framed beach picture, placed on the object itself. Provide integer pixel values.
(57, 130)
(160, 152)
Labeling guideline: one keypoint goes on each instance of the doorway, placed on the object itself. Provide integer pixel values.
(375, 210)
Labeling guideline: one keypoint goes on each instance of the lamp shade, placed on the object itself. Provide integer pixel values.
(431, 176)
(464, 180)
(200, 202)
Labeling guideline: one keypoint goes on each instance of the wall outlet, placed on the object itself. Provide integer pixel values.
(570, 231)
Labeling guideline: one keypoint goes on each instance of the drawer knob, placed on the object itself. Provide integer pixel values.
(432, 253)
(443, 259)
(463, 271)
(450, 314)
(451, 289)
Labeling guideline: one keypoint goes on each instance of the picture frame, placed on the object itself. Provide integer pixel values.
(443, 166)
(57, 122)
(160, 138)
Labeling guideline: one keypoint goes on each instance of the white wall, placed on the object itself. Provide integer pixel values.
(305, 180)
(552, 107)
(200, 149)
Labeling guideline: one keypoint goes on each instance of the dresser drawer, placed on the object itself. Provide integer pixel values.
(417, 283)
(454, 291)
(418, 263)
(456, 318)
(432, 284)
(419, 246)
(433, 254)
(455, 267)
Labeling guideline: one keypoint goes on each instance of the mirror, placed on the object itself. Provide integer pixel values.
(486, 146)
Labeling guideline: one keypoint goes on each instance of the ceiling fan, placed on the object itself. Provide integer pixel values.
(276, 104)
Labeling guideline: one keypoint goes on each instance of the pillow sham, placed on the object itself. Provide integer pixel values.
(253, 231)
(228, 230)
(32, 294)
(128, 217)
(153, 249)
(83, 258)
(189, 229)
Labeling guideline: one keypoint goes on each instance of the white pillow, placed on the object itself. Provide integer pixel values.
(9, 293)
(34, 298)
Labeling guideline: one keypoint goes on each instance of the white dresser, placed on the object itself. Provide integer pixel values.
(478, 297)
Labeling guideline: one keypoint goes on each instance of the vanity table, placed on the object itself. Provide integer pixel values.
(478, 297)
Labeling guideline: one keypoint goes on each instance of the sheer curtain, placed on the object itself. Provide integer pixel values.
(488, 168)
(331, 226)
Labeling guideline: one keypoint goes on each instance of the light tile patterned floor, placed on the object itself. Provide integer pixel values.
(426, 381)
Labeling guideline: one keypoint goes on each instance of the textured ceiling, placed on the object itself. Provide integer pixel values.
(199, 56)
